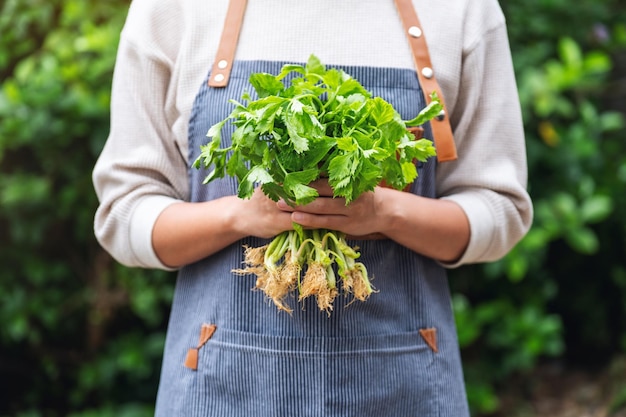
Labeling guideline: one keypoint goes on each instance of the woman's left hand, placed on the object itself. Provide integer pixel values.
(436, 228)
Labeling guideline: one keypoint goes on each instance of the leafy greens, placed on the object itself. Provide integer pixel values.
(323, 124)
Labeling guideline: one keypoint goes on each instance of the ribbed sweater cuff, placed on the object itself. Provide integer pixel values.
(141, 225)
(482, 224)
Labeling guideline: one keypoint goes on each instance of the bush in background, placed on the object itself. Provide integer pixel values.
(78, 332)
(561, 292)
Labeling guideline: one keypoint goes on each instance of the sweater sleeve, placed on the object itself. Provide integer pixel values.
(141, 170)
(489, 178)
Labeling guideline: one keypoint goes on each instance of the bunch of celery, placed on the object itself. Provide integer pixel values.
(323, 124)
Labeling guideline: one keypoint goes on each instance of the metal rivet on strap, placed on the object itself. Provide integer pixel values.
(441, 115)
(222, 64)
(415, 32)
(427, 72)
(219, 78)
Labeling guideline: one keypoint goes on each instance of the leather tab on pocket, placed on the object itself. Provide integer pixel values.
(206, 332)
(430, 337)
(191, 361)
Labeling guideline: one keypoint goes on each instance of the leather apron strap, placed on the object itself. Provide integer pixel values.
(442, 132)
(220, 73)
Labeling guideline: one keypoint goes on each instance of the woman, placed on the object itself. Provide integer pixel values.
(394, 354)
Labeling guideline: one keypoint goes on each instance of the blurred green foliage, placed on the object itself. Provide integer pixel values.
(561, 293)
(82, 336)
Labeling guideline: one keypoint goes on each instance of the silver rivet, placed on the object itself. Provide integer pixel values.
(219, 78)
(222, 64)
(415, 32)
(427, 72)
(441, 115)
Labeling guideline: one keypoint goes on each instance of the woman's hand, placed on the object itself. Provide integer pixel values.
(186, 232)
(362, 217)
(433, 227)
(260, 217)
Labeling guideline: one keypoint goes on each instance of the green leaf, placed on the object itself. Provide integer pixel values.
(318, 150)
(276, 192)
(409, 172)
(302, 177)
(266, 84)
(302, 125)
(288, 69)
(597, 62)
(421, 149)
(370, 175)
(612, 121)
(582, 240)
(236, 165)
(244, 135)
(303, 194)
(259, 175)
(216, 158)
(340, 167)
(349, 86)
(570, 52)
(215, 131)
(381, 111)
(333, 79)
(429, 112)
(256, 175)
(346, 144)
(596, 208)
(315, 66)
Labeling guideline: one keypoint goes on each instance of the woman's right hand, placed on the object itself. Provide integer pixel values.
(187, 232)
(260, 217)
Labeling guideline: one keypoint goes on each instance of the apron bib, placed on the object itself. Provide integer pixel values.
(230, 352)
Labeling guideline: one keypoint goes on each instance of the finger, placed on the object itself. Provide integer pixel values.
(314, 221)
(282, 205)
(324, 205)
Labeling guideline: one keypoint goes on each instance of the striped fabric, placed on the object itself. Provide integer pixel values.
(365, 359)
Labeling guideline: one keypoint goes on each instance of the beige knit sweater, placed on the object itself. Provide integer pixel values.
(167, 48)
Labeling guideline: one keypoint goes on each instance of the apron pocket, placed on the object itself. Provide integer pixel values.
(244, 374)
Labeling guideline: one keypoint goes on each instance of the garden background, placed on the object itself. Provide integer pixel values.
(543, 331)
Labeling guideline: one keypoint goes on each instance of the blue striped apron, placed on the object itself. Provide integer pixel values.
(395, 354)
